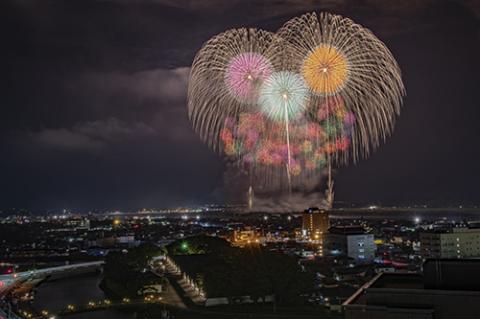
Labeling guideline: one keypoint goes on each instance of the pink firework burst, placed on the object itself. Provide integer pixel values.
(244, 75)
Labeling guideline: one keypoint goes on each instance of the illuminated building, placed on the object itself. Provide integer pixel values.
(315, 224)
(351, 241)
(455, 243)
(78, 223)
(6, 269)
(245, 236)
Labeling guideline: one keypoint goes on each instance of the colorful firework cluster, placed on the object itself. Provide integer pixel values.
(321, 90)
(256, 140)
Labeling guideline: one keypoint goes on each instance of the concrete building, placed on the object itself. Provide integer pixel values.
(315, 223)
(454, 243)
(351, 241)
(446, 289)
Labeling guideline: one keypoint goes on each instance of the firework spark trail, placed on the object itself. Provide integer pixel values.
(289, 160)
(321, 91)
(284, 95)
(339, 58)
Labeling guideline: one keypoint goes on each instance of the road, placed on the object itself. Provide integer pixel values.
(170, 295)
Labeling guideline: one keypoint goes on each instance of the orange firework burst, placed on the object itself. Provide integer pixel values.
(325, 70)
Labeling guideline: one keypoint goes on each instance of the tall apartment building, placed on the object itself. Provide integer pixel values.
(454, 243)
(315, 224)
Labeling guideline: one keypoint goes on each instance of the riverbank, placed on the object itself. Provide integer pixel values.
(54, 296)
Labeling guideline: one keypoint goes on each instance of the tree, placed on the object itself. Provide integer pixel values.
(124, 273)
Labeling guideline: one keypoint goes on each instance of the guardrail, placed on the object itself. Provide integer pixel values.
(7, 282)
(7, 314)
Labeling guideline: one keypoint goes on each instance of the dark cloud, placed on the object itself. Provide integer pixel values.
(89, 135)
(131, 94)
(162, 85)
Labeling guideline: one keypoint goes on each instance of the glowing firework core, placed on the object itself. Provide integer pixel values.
(283, 95)
(244, 75)
(325, 70)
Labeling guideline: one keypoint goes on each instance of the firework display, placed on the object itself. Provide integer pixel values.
(245, 73)
(283, 96)
(254, 138)
(320, 91)
(339, 58)
(226, 77)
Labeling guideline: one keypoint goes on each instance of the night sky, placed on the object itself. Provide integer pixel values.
(93, 101)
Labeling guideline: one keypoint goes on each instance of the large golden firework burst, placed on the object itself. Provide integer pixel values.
(325, 70)
(340, 59)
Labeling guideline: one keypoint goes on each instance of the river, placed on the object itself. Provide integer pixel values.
(56, 295)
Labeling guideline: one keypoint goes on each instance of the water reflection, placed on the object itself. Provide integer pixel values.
(56, 295)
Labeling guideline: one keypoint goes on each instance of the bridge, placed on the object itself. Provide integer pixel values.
(9, 282)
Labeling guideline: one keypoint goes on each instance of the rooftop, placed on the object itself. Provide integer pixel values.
(447, 276)
(315, 210)
(347, 230)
